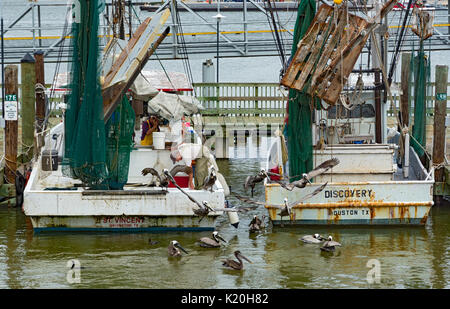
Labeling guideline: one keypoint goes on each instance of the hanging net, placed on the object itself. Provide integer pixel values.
(421, 71)
(300, 103)
(96, 154)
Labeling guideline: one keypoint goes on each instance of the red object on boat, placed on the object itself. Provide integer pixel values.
(182, 181)
(275, 170)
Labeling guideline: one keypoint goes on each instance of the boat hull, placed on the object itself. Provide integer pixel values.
(368, 203)
(121, 223)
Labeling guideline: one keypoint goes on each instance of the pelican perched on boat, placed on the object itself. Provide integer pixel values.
(256, 224)
(207, 242)
(174, 249)
(210, 180)
(285, 207)
(166, 176)
(312, 239)
(238, 265)
(330, 245)
(306, 178)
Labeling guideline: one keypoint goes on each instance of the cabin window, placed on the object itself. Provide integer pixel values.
(360, 111)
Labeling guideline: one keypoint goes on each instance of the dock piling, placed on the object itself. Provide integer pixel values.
(440, 111)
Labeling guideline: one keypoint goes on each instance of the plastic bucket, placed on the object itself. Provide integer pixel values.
(158, 140)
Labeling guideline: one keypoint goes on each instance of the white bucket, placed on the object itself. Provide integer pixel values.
(159, 140)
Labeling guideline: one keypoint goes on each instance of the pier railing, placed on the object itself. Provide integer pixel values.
(250, 99)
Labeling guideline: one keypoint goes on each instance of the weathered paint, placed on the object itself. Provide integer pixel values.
(120, 210)
(382, 203)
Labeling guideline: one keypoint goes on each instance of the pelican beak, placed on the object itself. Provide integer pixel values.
(220, 237)
(181, 248)
(245, 258)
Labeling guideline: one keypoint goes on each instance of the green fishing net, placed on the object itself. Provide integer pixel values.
(421, 71)
(96, 154)
(300, 103)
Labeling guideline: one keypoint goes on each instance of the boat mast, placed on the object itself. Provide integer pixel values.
(380, 121)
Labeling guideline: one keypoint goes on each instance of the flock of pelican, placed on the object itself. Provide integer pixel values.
(256, 225)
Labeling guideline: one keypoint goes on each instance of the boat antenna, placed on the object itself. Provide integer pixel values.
(277, 37)
(399, 41)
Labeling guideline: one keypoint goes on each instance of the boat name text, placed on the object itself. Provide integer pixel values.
(348, 193)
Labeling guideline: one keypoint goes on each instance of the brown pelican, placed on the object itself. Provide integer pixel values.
(206, 242)
(285, 207)
(330, 245)
(174, 249)
(312, 239)
(256, 224)
(210, 180)
(152, 242)
(233, 264)
(164, 177)
(204, 208)
(322, 168)
(251, 181)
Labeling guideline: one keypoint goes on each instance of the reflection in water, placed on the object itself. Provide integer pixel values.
(410, 257)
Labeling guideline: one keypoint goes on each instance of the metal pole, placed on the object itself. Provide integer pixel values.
(245, 27)
(3, 73)
(217, 50)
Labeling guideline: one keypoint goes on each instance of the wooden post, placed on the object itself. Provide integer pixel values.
(40, 90)
(28, 80)
(11, 126)
(440, 111)
(40, 98)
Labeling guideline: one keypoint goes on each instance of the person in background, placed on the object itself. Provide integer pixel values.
(149, 126)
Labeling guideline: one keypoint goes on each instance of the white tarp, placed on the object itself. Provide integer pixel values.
(173, 106)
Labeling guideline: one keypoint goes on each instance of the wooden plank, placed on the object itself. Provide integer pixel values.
(124, 54)
(314, 56)
(111, 97)
(304, 46)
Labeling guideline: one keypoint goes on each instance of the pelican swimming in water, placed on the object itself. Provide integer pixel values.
(306, 178)
(206, 242)
(312, 239)
(285, 207)
(330, 245)
(174, 249)
(256, 224)
(234, 264)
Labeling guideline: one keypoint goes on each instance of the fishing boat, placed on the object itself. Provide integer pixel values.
(380, 178)
(114, 196)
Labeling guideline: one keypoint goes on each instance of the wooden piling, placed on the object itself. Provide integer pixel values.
(40, 90)
(11, 126)
(440, 111)
(40, 99)
(28, 80)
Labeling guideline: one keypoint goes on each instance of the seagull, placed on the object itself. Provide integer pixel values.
(174, 249)
(210, 180)
(256, 224)
(322, 168)
(285, 207)
(312, 239)
(330, 245)
(206, 242)
(233, 264)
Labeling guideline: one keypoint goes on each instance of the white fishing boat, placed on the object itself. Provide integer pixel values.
(373, 183)
(55, 201)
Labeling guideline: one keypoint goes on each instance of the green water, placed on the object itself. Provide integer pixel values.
(409, 257)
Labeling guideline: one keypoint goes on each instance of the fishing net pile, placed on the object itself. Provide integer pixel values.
(95, 153)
